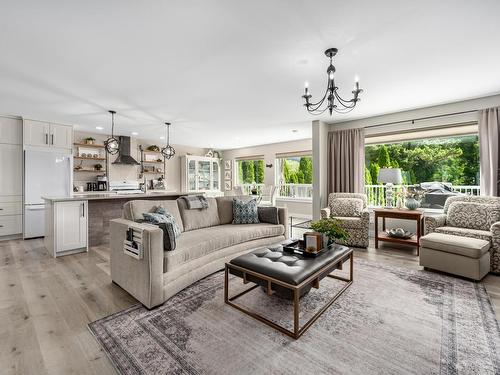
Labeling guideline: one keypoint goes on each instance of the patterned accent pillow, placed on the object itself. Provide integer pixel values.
(162, 216)
(472, 215)
(346, 207)
(245, 212)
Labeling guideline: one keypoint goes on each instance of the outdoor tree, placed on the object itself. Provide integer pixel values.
(259, 171)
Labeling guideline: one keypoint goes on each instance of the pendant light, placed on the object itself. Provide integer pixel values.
(112, 144)
(168, 151)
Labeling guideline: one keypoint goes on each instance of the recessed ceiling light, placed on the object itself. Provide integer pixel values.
(99, 128)
(135, 133)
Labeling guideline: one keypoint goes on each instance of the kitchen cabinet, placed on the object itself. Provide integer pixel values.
(66, 227)
(47, 135)
(11, 179)
(200, 174)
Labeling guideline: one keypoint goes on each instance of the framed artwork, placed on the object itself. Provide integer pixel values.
(227, 165)
(227, 185)
(227, 175)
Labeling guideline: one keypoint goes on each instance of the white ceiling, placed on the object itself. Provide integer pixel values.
(230, 73)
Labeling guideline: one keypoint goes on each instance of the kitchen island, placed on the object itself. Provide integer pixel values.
(75, 222)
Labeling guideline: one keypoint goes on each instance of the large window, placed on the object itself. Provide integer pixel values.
(250, 173)
(294, 174)
(453, 161)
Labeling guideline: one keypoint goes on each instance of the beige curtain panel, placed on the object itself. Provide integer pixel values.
(489, 137)
(346, 161)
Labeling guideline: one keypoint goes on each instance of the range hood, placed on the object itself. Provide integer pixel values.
(124, 152)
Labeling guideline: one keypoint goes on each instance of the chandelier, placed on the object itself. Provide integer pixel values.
(168, 151)
(332, 100)
(112, 144)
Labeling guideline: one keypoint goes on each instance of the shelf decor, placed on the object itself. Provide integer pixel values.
(332, 99)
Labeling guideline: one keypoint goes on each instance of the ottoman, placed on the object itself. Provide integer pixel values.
(462, 256)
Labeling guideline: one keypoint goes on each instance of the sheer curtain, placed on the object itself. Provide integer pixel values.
(346, 161)
(489, 137)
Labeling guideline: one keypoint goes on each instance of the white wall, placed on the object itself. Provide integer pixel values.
(269, 151)
(131, 172)
(404, 122)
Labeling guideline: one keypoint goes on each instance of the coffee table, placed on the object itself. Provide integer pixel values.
(283, 272)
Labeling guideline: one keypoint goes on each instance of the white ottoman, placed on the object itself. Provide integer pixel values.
(463, 256)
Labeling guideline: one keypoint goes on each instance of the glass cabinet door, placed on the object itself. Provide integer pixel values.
(216, 176)
(203, 175)
(192, 175)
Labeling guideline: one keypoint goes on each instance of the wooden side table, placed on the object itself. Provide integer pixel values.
(404, 214)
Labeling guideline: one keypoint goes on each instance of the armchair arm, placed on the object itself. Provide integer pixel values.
(365, 216)
(142, 278)
(495, 247)
(283, 218)
(433, 222)
(325, 213)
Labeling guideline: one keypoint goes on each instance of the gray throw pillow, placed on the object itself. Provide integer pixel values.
(245, 212)
(268, 215)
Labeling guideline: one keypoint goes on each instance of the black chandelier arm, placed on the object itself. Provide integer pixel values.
(345, 102)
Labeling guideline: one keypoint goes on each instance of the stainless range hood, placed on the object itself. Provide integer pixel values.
(124, 152)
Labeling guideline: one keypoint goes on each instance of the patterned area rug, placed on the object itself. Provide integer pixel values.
(390, 321)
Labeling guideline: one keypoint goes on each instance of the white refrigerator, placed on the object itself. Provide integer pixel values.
(46, 173)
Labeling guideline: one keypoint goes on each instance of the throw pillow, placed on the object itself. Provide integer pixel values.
(346, 207)
(268, 215)
(245, 212)
(162, 216)
(472, 215)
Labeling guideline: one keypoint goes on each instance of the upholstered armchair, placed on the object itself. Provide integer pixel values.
(470, 216)
(351, 209)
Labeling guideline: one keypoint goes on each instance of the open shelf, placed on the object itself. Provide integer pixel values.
(82, 158)
(89, 170)
(153, 162)
(86, 145)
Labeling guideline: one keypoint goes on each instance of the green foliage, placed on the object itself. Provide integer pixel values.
(259, 171)
(332, 228)
(368, 177)
(298, 172)
(454, 160)
(306, 167)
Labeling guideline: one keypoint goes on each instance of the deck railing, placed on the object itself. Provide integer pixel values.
(376, 193)
(300, 191)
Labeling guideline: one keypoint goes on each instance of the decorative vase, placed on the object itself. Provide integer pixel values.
(399, 203)
(412, 204)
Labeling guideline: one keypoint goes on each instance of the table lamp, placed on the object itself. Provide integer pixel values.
(389, 176)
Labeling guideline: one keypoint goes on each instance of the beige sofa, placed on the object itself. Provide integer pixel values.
(208, 241)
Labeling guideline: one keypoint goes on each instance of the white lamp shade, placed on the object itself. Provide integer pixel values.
(390, 176)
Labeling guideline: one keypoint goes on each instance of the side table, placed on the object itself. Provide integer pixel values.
(402, 214)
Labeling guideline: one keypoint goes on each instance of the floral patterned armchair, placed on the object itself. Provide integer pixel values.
(471, 216)
(351, 209)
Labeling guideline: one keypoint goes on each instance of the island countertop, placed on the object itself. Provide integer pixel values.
(107, 195)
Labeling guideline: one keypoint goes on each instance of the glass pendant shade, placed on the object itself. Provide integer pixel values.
(112, 145)
(168, 151)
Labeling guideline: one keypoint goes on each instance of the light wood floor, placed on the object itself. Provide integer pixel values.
(46, 304)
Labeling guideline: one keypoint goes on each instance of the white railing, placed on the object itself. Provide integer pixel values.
(300, 191)
(247, 188)
(376, 193)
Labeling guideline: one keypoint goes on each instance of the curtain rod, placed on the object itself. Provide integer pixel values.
(421, 118)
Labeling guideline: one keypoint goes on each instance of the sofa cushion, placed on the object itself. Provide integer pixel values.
(466, 232)
(197, 219)
(350, 222)
(346, 207)
(245, 212)
(472, 215)
(133, 210)
(225, 207)
(466, 246)
(268, 215)
(198, 243)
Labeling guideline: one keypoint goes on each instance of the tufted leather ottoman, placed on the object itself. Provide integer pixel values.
(289, 275)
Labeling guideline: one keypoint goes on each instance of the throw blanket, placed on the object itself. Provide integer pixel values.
(196, 202)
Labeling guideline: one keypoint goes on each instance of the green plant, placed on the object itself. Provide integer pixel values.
(89, 139)
(332, 228)
(98, 167)
(153, 148)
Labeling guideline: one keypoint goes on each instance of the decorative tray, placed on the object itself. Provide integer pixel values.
(297, 247)
(394, 233)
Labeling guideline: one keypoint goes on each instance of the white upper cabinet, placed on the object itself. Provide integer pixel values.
(61, 136)
(44, 134)
(11, 131)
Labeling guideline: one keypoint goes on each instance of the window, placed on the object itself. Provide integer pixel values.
(294, 174)
(451, 160)
(250, 173)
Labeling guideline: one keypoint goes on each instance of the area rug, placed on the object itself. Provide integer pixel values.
(390, 321)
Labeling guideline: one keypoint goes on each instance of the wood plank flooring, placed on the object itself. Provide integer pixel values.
(46, 304)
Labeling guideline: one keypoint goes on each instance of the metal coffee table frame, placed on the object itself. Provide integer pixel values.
(313, 280)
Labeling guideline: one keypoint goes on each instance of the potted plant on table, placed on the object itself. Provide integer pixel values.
(413, 196)
(331, 228)
(89, 140)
